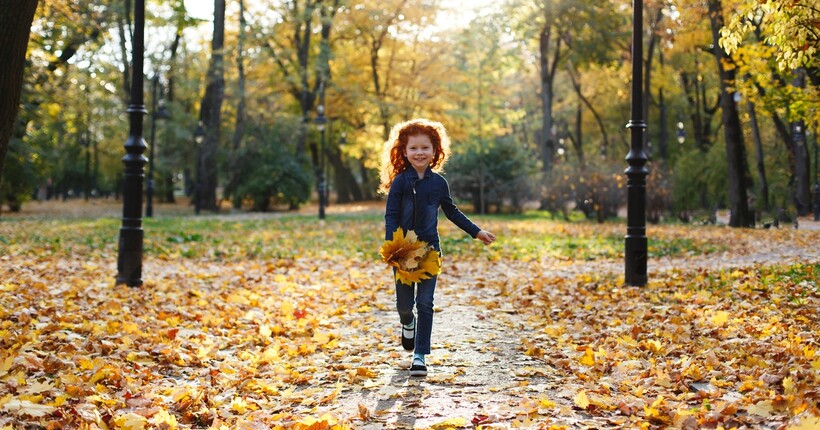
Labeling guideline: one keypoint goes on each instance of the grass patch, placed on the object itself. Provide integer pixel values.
(526, 237)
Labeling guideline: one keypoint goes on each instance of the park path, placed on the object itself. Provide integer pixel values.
(479, 370)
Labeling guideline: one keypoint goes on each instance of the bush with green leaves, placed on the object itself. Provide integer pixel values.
(19, 179)
(699, 179)
(502, 170)
(268, 173)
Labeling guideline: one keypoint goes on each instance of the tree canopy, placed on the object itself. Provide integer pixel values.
(539, 80)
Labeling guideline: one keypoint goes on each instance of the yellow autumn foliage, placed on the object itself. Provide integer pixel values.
(413, 259)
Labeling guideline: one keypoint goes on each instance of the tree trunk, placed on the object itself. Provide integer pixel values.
(169, 98)
(547, 144)
(802, 192)
(578, 143)
(124, 26)
(347, 190)
(210, 112)
(15, 28)
(647, 73)
(733, 134)
(380, 88)
(663, 146)
(598, 119)
(172, 57)
(763, 185)
(239, 129)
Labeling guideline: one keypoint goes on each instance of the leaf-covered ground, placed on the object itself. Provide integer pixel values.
(285, 322)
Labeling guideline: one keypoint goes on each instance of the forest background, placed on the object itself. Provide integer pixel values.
(534, 93)
(251, 321)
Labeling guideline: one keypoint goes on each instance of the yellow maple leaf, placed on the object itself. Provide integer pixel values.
(163, 419)
(788, 385)
(26, 407)
(401, 247)
(720, 318)
(581, 400)
(239, 405)
(5, 364)
(413, 259)
(130, 421)
(806, 423)
(546, 403)
(588, 359)
(450, 423)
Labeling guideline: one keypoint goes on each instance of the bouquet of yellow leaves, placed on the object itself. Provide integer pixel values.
(413, 259)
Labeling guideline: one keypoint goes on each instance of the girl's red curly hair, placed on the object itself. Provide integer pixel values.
(393, 159)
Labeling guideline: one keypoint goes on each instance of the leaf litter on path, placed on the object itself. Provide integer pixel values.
(533, 341)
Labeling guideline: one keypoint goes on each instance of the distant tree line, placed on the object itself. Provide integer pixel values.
(535, 94)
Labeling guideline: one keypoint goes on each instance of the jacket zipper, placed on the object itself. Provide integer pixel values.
(413, 186)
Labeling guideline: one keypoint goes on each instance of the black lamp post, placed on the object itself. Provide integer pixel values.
(129, 261)
(635, 243)
(199, 138)
(320, 122)
(816, 193)
(561, 151)
(86, 143)
(680, 134)
(161, 113)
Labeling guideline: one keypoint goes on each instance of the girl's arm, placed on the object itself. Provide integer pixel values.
(458, 218)
(455, 215)
(392, 211)
(486, 237)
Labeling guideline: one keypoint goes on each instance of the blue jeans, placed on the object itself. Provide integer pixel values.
(422, 297)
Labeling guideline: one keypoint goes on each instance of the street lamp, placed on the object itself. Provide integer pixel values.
(161, 113)
(199, 138)
(680, 134)
(320, 122)
(635, 242)
(85, 141)
(816, 184)
(129, 258)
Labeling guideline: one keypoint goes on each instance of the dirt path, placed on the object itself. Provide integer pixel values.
(476, 371)
(480, 369)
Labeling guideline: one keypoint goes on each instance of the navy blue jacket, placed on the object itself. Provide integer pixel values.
(413, 202)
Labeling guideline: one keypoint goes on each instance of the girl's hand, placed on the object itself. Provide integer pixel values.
(486, 237)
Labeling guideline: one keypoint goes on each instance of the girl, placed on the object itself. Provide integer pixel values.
(414, 153)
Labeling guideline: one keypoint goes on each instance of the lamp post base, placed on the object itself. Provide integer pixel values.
(635, 263)
(149, 199)
(129, 263)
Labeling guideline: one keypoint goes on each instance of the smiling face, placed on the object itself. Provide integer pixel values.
(419, 152)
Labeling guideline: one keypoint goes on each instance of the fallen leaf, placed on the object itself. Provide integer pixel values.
(25, 407)
(581, 400)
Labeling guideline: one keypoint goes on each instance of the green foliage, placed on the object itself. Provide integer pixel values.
(269, 173)
(504, 168)
(699, 180)
(19, 180)
(597, 191)
(658, 192)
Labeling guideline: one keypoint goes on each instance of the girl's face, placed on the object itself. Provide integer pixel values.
(419, 151)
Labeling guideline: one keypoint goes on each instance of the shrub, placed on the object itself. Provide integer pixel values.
(268, 173)
(507, 170)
